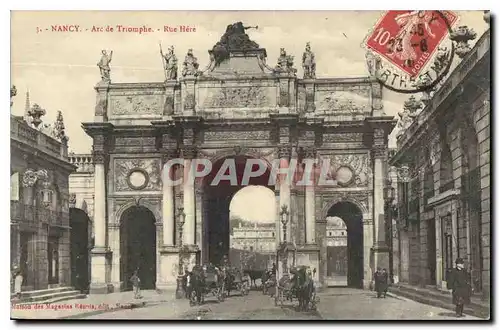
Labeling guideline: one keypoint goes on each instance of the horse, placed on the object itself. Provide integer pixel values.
(254, 275)
(268, 280)
(195, 284)
(303, 286)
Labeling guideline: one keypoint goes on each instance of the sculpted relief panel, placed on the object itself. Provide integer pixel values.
(136, 103)
(343, 101)
(236, 135)
(238, 97)
(357, 164)
(137, 174)
(343, 137)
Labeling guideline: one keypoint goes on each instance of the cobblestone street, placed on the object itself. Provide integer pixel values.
(335, 304)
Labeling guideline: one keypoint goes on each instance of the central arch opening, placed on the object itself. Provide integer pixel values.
(253, 228)
(138, 247)
(80, 245)
(346, 258)
(217, 196)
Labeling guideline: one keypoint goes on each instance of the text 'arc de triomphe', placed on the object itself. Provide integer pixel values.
(237, 106)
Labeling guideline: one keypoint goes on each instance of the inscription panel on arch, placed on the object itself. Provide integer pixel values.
(136, 103)
(237, 97)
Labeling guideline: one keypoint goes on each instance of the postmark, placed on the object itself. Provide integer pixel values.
(408, 51)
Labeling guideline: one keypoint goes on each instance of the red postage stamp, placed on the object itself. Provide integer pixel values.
(408, 39)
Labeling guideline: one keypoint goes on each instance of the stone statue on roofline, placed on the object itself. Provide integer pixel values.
(285, 63)
(309, 63)
(103, 65)
(190, 65)
(234, 38)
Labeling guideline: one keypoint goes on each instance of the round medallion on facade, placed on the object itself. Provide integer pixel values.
(137, 179)
(344, 176)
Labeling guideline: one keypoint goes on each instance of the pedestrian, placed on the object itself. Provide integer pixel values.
(385, 281)
(459, 283)
(377, 277)
(18, 281)
(136, 284)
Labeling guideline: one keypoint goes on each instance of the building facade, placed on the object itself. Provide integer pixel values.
(444, 185)
(261, 237)
(40, 229)
(237, 108)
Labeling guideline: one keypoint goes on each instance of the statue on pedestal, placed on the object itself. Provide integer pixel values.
(374, 64)
(234, 38)
(104, 65)
(285, 63)
(170, 63)
(58, 131)
(309, 63)
(190, 65)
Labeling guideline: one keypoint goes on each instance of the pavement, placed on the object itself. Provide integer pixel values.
(335, 304)
(91, 305)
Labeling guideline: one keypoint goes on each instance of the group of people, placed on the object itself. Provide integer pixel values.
(458, 282)
(381, 278)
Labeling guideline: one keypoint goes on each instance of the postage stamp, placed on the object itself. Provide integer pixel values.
(407, 41)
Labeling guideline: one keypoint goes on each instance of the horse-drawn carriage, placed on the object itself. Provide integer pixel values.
(204, 281)
(268, 282)
(236, 281)
(299, 284)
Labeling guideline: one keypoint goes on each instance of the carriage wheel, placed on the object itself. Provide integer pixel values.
(192, 298)
(220, 294)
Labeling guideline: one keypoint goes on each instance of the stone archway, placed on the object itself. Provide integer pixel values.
(80, 246)
(352, 216)
(217, 196)
(138, 246)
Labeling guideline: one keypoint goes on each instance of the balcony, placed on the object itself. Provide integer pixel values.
(447, 186)
(427, 195)
(83, 162)
(21, 132)
(29, 214)
(22, 213)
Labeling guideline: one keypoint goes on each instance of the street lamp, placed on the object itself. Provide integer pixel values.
(284, 220)
(180, 293)
(284, 214)
(389, 193)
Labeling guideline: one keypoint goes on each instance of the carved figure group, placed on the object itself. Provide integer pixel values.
(285, 63)
(190, 65)
(309, 63)
(58, 131)
(170, 63)
(374, 63)
(408, 114)
(104, 65)
(234, 38)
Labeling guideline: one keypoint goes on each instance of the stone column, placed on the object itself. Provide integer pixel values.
(168, 205)
(310, 206)
(380, 246)
(189, 197)
(284, 188)
(100, 252)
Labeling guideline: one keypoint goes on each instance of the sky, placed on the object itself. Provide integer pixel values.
(59, 68)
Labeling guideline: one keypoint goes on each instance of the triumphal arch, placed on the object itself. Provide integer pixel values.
(239, 108)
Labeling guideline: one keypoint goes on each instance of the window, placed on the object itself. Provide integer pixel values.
(446, 170)
(273, 234)
(14, 187)
(342, 233)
